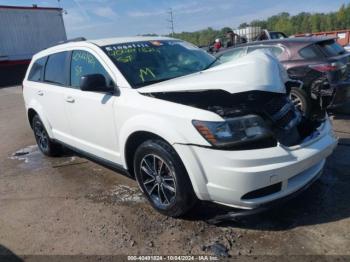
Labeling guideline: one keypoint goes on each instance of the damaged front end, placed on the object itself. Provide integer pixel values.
(253, 119)
(250, 95)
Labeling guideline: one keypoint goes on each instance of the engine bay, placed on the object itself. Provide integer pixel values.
(287, 124)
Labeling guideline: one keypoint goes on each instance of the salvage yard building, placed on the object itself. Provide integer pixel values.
(25, 31)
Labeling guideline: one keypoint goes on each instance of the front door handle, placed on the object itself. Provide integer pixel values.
(40, 93)
(70, 99)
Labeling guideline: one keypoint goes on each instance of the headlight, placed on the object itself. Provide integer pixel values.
(233, 131)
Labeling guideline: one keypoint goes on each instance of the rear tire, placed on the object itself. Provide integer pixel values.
(163, 178)
(45, 144)
(301, 100)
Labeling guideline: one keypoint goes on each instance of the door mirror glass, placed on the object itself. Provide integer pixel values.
(95, 83)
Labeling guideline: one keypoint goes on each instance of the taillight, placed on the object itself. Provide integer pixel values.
(325, 67)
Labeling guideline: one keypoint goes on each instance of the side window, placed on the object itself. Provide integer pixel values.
(37, 70)
(277, 51)
(232, 55)
(83, 63)
(55, 71)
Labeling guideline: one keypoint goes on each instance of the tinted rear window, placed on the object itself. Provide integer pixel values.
(36, 71)
(331, 48)
(55, 71)
(310, 52)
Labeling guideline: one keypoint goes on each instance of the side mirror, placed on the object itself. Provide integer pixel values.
(94, 83)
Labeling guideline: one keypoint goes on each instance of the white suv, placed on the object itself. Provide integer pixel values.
(185, 126)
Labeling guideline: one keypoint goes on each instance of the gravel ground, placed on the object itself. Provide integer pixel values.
(72, 206)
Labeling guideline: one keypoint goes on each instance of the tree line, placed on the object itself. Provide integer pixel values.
(289, 24)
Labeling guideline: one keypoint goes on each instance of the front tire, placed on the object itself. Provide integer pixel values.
(163, 179)
(45, 144)
(301, 100)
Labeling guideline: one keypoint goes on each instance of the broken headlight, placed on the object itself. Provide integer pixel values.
(233, 131)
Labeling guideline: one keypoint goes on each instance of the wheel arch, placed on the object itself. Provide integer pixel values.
(133, 141)
(35, 109)
(147, 126)
(30, 114)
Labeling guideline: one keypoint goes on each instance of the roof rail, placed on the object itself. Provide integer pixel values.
(77, 39)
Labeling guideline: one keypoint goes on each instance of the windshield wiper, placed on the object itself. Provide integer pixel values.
(212, 63)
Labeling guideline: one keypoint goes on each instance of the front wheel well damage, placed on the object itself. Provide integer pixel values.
(131, 145)
(31, 114)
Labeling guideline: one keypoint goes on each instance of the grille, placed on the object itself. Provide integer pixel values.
(265, 191)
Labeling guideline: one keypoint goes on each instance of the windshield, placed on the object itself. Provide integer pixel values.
(277, 35)
(149, 62)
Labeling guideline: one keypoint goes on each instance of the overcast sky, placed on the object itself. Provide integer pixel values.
(106, 18)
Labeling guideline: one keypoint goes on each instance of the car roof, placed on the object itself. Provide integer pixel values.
(293, 40)
(80, 41)
(121, 40)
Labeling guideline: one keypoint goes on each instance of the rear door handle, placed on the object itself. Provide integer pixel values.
(70, 99)
(40, 93)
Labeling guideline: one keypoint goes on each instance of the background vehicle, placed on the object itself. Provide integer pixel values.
(320, 63)
(255, 33)
(156, 108)
(245, 35)
(342, 36)
(25, 31)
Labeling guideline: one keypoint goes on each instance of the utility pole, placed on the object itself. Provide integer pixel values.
(171, 21)
(64, 12)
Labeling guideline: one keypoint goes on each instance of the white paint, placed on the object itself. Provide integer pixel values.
(103, 128)
(25, 153)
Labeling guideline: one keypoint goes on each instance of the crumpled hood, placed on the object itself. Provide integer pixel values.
(259, 70)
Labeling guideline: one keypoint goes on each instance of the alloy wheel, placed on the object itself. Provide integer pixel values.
(41, 136)
(296, 101)
(158, 180)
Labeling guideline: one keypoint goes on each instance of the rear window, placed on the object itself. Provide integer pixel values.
(331, 48)
(37, 70)
(310, 52)
(55, 71)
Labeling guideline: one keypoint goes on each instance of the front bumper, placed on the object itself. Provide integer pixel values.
(236, 214)
(226, 176)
